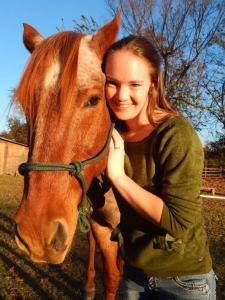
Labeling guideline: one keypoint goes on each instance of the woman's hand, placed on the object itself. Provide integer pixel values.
(145, 203)
(115, 165)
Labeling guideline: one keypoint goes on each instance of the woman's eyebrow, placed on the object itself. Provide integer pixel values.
(136, 81)
(111, 78)
(131, 81)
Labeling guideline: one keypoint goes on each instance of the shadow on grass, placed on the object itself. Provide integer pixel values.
(60, 277)
(27, 279)
(8, 222)
(11, 258)
(6, 219)
(38, 281)
(5, 230)
(74, 284)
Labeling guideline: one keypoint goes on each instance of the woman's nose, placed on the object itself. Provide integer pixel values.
(122, 93)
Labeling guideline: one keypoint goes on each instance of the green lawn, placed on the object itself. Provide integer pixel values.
(22, 279)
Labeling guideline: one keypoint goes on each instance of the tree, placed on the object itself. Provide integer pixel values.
(215, 151)
(86, 25)
(17, 130)
(189, 36)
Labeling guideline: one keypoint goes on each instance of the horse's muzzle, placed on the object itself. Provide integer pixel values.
(54, 248)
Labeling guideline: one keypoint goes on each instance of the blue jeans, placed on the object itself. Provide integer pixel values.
(137, 286)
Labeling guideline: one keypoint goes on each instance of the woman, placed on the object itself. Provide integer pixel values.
(155, 165)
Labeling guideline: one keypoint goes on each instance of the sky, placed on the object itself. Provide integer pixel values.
(45, 16)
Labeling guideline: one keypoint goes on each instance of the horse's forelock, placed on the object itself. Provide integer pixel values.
(52, 68)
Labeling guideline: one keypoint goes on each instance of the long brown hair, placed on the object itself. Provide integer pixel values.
(159, 108)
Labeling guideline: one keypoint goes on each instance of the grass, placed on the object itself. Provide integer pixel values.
(214, 212)
(22, 279)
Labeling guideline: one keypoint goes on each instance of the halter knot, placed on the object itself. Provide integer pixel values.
(77, 168)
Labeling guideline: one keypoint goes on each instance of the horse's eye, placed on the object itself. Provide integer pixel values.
(92, 101)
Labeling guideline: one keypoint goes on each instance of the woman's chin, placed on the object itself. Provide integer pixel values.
(124, 115)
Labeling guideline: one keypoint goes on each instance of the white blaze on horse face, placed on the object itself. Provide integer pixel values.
(89, 64)
(52, 75)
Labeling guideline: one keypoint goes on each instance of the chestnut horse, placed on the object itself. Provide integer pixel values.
(62, 95)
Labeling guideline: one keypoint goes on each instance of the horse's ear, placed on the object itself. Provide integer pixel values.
(106, 36)
(31, 37)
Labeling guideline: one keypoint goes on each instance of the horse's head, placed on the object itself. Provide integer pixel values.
(62, 95)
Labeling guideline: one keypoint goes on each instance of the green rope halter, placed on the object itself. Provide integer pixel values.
(75, 169)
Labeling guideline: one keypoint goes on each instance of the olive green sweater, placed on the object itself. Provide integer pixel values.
(168, 164)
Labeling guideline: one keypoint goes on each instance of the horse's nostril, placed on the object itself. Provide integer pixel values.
(59, 236)
(20, 242)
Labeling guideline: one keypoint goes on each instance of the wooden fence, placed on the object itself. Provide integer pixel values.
(213, 172)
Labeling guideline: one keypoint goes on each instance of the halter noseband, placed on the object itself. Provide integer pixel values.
(75, 169)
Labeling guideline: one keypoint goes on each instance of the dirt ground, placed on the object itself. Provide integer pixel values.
(20, 279)
(218, 184)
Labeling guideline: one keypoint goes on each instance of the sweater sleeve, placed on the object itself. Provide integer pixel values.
(180, 157)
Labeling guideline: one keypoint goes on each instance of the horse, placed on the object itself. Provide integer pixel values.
(62, 95)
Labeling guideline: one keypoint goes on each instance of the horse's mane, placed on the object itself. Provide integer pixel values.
(31, 93)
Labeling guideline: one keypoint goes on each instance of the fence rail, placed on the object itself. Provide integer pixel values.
(213, 172)
(213, 197)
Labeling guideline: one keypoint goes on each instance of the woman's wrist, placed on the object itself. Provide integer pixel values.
(118, 179)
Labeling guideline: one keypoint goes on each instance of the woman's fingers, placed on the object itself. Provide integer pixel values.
(117, 140)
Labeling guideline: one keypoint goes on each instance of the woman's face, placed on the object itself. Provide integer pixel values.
(127, 85)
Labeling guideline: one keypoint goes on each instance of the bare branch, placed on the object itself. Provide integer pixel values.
(189, 35)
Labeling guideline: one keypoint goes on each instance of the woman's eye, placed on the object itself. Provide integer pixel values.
(92, 101)
(111, 83)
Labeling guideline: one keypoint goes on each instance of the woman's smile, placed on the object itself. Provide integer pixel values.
(127, 86)
(123, 106)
